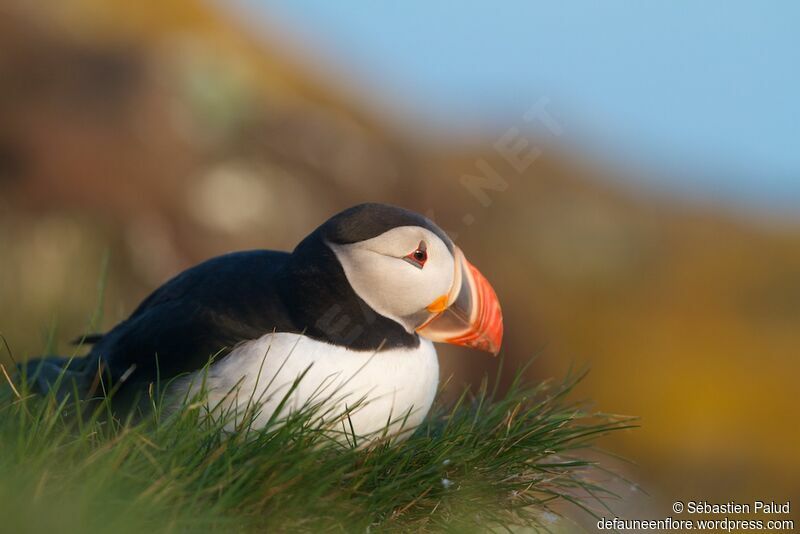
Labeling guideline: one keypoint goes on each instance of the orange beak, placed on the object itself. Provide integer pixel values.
(469, 315)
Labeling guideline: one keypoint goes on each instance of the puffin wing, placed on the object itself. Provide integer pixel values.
(200, 314)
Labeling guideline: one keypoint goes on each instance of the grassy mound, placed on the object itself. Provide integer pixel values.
(484, 462)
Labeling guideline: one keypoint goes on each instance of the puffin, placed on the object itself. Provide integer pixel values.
(348, 318)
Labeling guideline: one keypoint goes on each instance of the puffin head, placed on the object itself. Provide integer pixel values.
(408, 270)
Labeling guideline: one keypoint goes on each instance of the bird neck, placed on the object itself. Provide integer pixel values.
(323, 304)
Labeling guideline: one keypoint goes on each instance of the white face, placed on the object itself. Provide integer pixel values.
(397, 283)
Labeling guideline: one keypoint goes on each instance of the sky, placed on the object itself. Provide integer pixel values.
(699, 97)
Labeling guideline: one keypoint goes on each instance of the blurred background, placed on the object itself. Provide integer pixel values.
(627, 175)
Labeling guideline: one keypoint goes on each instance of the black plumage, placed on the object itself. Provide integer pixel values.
(208, 309)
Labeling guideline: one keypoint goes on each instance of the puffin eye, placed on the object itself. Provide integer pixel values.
(419, 256)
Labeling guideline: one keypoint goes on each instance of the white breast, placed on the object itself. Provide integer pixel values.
(396, 385)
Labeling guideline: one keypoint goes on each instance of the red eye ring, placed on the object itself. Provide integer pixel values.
(419, 256)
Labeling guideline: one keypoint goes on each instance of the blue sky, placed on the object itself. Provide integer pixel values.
(700, 97)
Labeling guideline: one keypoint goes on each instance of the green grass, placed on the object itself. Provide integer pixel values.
(487, 461)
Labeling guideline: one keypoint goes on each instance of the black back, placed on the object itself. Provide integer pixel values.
(208, 309)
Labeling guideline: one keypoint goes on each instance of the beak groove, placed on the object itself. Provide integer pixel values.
(472, 316)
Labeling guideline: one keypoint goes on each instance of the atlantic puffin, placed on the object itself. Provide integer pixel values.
(353, 312)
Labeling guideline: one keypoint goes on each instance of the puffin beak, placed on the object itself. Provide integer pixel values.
(469, 315)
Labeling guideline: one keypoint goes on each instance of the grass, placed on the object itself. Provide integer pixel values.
(485, 462)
